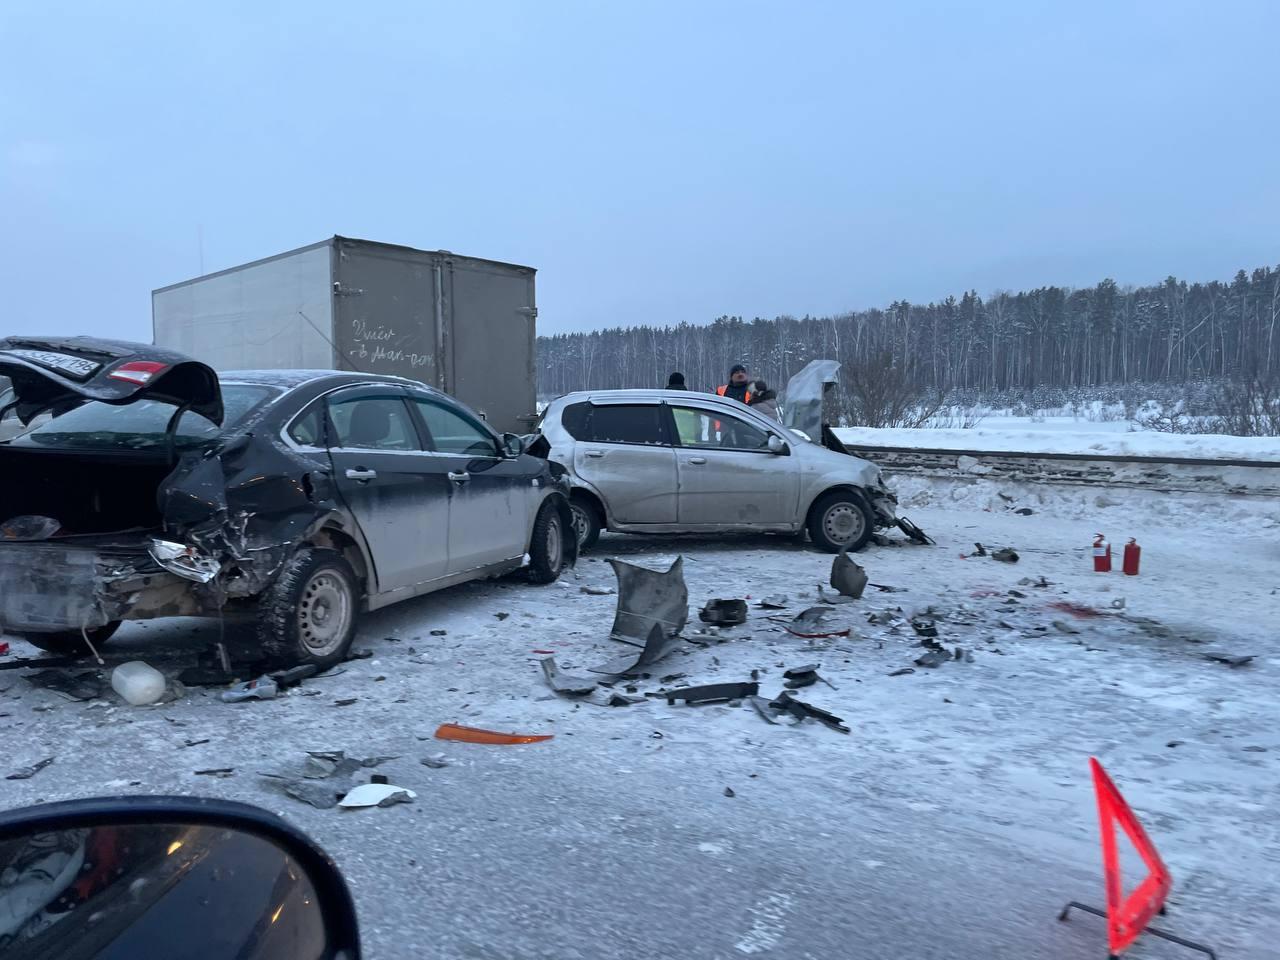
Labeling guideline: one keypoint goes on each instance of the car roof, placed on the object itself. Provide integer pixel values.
(622, 396)
(289, 379)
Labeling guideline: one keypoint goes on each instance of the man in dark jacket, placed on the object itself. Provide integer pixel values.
(739, 385)
(676, 382)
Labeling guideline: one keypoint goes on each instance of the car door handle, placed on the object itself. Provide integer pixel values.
(462, 477)
(697, 459)
(595, 454)
(362, 475)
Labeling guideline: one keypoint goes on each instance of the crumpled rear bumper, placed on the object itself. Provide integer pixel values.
(50, 586)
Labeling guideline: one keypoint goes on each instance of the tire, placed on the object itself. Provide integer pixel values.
(841, 520)
(586, 522)
(69, 643)
(547, 544)
(308, 615)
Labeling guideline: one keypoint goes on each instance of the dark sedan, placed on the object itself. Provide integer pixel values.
(140, 484)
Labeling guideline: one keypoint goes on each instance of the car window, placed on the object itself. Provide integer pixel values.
(717, 431)
(574, 420)
(625, 423)
(373, 423)
(140, 425)
(452, 432)
(308, 429)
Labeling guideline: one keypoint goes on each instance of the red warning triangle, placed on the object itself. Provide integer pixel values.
(1126, 917)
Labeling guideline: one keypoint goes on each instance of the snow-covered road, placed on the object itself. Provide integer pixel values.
(952, 822)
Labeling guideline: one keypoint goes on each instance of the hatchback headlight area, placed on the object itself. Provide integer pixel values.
(184, 561)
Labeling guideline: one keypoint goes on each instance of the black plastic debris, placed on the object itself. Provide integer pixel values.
(26, 773)
(647, 598)
(673, 677)
(193, 743)
(1229, 659)
(979, 550)
(1024, 511)
(799, 677)
(657, 646)
(86, 685)
(502, 616)
(786, 703)
(933, 659)
(294, 675)
(902, 672)
(762, 707)
(886, 588)
(914, 533)
(612, 698)
(1005, 555)
(773, 603)
(712, 692)
(215, 772)
(847, 577)
(728, 792)
(564, 683)
(346, 702)
(439, 633)
(924, 628)
(724, 613)
(810, 624)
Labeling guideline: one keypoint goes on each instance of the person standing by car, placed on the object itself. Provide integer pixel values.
(676, 382)
(739, 385)
(763, 400)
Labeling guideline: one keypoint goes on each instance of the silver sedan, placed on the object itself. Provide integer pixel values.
(664, 461)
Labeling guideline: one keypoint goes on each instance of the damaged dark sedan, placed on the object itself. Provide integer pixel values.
(135, 483)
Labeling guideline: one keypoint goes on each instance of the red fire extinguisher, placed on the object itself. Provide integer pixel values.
(1101, 555)
(1132, 554)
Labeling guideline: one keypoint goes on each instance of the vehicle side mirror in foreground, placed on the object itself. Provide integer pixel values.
(125, 876)
(776, 446)
(512, 445)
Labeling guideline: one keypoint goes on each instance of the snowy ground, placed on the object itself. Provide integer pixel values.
(952, 822)
(1064, 433)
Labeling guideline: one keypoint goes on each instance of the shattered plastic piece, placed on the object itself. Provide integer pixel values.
(611, 698)
(724, 613)
(979, 550)
(808, 624)
(439, 633)
(563, 682)
(453, 731)
(139, 683)
(712, 692)
(763, 708)
(830, 599)
(933, 659)
(184, 562)
(847, 577)
(294, 676)
(215, 772)
(647, 598)
(902, 672)
(657, 646)
(377, 795)
(914, 533)
(798, 708)
(345, 702)
(87, 685)
(1024, 511)
(598, 591)
(886, 588)
(1005, 555)
(26, 773)
(264, 688)
(502, 616)
(924, 628)
(1229, 659)
(1062, 627)
(773, 603)
(321, 795)
(728, 792)
(437, 762)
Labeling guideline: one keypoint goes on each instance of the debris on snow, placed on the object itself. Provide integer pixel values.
(849, 579)
(137, 682)
(933, 658)
(657, 646)
(215, 772)
(264, 688)
(924, 627)
(437, 762)
(763, 708)
(26, 773)
(773, 603)
(87, 685)
(598, 591)
(787, 703)
(611, 698)
(712, 692)
(1229, 659)
(363, 653)
(377, 795)
(564, 683)
(808, 624)
(461, 734)
(724, 613)
(648, 598)
(902, 672)
(1005, 555)
(728, 792)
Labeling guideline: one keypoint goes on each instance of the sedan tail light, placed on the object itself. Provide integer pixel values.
(140, 372)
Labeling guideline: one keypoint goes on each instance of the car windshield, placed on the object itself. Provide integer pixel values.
(140, 425)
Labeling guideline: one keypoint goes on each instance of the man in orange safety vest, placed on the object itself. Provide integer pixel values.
(738, 386)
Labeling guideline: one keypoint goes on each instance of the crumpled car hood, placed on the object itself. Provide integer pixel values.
(802, 401)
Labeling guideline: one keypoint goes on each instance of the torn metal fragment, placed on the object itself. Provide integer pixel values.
(763, 708)
(657, 646)
(724, 613)
(647, 598)
(184, 561)
(712, 692)
(847, 577)
(564, 683)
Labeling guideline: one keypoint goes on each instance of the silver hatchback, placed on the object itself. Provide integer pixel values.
(665, 461)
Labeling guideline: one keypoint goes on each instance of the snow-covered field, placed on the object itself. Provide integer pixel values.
(952, 822)
(1062, 432)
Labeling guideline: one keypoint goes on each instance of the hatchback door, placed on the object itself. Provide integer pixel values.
(624, 452)
(728, 475)
(489, 494)
(397, 490)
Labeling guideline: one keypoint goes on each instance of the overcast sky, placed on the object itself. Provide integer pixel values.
(657, 162)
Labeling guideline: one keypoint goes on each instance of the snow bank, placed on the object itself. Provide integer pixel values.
(1067, 435)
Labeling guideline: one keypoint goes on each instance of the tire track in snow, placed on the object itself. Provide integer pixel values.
(767, 926)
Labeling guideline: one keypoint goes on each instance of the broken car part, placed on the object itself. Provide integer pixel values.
(648, 597)
(1005, 555)
(657, 646)
(847, 577)
(564, 683)
(184, 561)
(78, 686)
(773, 603)
(808, 624)
(26, 773)
(712, 692)
(139, 683)
(377, 795)
(724, 613)
(264, 688)
(461, 734)
(763, 707)
(786, 703)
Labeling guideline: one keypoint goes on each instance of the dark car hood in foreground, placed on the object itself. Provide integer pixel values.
(53, 371)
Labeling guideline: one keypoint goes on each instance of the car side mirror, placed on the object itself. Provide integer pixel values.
(776, 446)
(131, 872)
(512, 445)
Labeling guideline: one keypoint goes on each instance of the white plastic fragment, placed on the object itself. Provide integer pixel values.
(375, 795)
(138, 682)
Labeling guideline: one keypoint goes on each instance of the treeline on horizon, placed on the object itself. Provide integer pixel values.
(1051, 337)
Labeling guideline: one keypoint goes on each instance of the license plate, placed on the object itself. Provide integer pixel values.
(77, 368)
